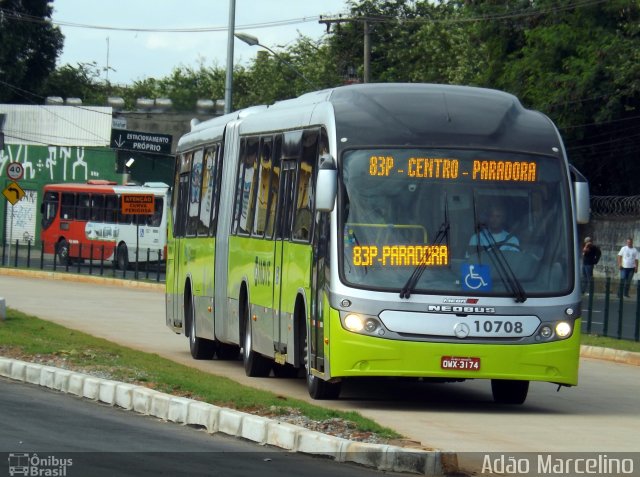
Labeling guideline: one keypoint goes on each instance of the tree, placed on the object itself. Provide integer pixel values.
(577, 62)
(81, 81)
(30, 47)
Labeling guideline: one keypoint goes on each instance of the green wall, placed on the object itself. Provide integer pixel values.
(47, 165)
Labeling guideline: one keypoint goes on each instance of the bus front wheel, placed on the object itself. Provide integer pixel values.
(509, 391)
(318, 388)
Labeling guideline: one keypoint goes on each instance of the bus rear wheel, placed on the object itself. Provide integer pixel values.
(200, 348)
(509, 391)
(255, 365)
(122, 257)
(63, 253)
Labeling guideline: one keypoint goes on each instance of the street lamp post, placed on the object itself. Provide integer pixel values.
(253, 41)
(228, 88)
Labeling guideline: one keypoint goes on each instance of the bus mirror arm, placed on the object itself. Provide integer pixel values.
(326, 184)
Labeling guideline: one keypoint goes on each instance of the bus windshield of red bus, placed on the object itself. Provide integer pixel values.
(473, 221)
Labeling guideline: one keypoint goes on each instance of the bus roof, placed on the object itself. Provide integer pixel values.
(105, 187)
(401, 114)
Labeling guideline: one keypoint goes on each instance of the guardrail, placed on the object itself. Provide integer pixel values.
(148, 264)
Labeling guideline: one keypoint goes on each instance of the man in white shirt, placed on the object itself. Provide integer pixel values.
(628, 265)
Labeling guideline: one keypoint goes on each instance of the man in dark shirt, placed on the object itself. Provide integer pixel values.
(590, 257)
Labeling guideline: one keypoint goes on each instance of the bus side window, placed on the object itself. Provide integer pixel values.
(206, 201)
(264, 180)
(111, 209)
(304, 195)
(97, 208)
(195, 191)
(247, 185)
(216, 169)
(68, 206)
(155, 219)
(274, 187)
(83, 207)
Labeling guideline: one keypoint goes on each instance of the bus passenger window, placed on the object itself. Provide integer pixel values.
(206, 201)
(249, 174)
(274, 187)
(262, 195)
(304, 196)
(195, 189)
(97, 208)
(68, 206)
(83, 207)
(155, 219)
(111, 209)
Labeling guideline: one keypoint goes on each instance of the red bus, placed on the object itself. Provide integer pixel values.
(85, 221)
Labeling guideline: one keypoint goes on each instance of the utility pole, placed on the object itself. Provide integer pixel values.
(228, 88)
(367, 41)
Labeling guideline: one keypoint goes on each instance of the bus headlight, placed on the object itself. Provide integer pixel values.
(354, 322)
(563, 329)
(546, 332)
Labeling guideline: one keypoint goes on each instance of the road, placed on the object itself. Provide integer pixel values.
(602, 414)
(96, 439)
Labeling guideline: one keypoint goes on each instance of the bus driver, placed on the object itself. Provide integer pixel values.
(495, 226)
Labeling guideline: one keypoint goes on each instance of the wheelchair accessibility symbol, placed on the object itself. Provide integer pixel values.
(476, 277)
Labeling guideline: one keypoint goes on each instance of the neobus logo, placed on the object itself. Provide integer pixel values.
(461, 309)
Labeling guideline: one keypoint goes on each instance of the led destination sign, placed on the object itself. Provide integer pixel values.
(400, 255)
(451, 169)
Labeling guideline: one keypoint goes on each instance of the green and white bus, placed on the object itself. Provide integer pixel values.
(346, 233)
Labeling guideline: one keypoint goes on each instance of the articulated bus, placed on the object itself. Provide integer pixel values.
(85, 221)
(347, 233)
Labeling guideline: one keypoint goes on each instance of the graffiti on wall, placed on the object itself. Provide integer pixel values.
(53, 163)
(21, 218)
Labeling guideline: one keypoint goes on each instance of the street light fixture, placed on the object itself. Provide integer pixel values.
(253, 41)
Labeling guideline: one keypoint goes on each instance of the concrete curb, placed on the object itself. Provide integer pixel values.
(610, 354)
(80, 278)
(264, 431)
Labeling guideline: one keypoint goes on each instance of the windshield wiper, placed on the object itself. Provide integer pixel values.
(408, 287)
(505, 271)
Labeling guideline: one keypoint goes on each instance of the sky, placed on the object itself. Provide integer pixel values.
(136, 55)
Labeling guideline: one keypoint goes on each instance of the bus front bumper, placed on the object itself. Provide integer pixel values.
(352, 354)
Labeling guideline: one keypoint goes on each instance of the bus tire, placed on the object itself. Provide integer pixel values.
(255, 365)
(200, 348)
(509, 391)
(318, 388)
(62, 253)
(122, 257)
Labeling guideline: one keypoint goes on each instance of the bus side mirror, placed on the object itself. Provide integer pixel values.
(581, 195)
(326, 184)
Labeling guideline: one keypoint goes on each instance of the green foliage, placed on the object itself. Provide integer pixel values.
(81, 81)
(30, 46)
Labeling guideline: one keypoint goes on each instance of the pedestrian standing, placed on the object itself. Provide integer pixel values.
(590, 257)
(628, 265)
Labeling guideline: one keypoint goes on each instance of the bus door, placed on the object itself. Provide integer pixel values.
(281, 293)
(178, 267)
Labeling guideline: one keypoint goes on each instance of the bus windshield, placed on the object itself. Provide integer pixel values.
(470, 221)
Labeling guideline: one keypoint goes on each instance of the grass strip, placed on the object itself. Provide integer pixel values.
(31, 339)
